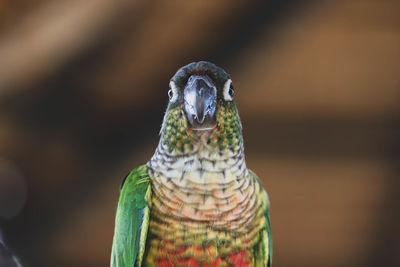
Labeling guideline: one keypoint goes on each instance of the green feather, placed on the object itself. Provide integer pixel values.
(132, 219)
(263, 250)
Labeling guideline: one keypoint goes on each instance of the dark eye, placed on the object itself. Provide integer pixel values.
(170, 94)
(231, 91)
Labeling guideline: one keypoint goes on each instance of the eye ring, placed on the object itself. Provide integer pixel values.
(170, 94)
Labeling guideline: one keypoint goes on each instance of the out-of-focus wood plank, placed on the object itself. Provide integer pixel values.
(52, 36)
(335, 59)
(11, 12)
(327, 137)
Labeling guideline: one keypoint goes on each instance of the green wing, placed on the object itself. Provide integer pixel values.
(263, 250)
(132, 220)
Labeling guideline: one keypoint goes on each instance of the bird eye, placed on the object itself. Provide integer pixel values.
(228, 91)
(231, 91)
(170, 94)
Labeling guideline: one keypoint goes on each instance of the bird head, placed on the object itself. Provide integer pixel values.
(201, 105)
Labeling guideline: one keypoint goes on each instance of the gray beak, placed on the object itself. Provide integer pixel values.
(200, 97)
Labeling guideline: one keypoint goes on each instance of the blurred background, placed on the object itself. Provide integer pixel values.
(83, 88)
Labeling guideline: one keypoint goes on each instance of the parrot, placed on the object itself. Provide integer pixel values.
(195, 202)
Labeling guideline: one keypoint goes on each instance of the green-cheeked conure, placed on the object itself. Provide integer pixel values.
(195, 203)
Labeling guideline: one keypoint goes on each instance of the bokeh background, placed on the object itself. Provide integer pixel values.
(83, 88)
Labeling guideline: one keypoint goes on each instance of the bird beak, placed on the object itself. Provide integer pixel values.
(200, 97)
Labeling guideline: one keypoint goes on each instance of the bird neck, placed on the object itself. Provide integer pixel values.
(200, 162)
(199, 177)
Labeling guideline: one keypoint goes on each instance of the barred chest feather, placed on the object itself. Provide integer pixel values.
(205, 207)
